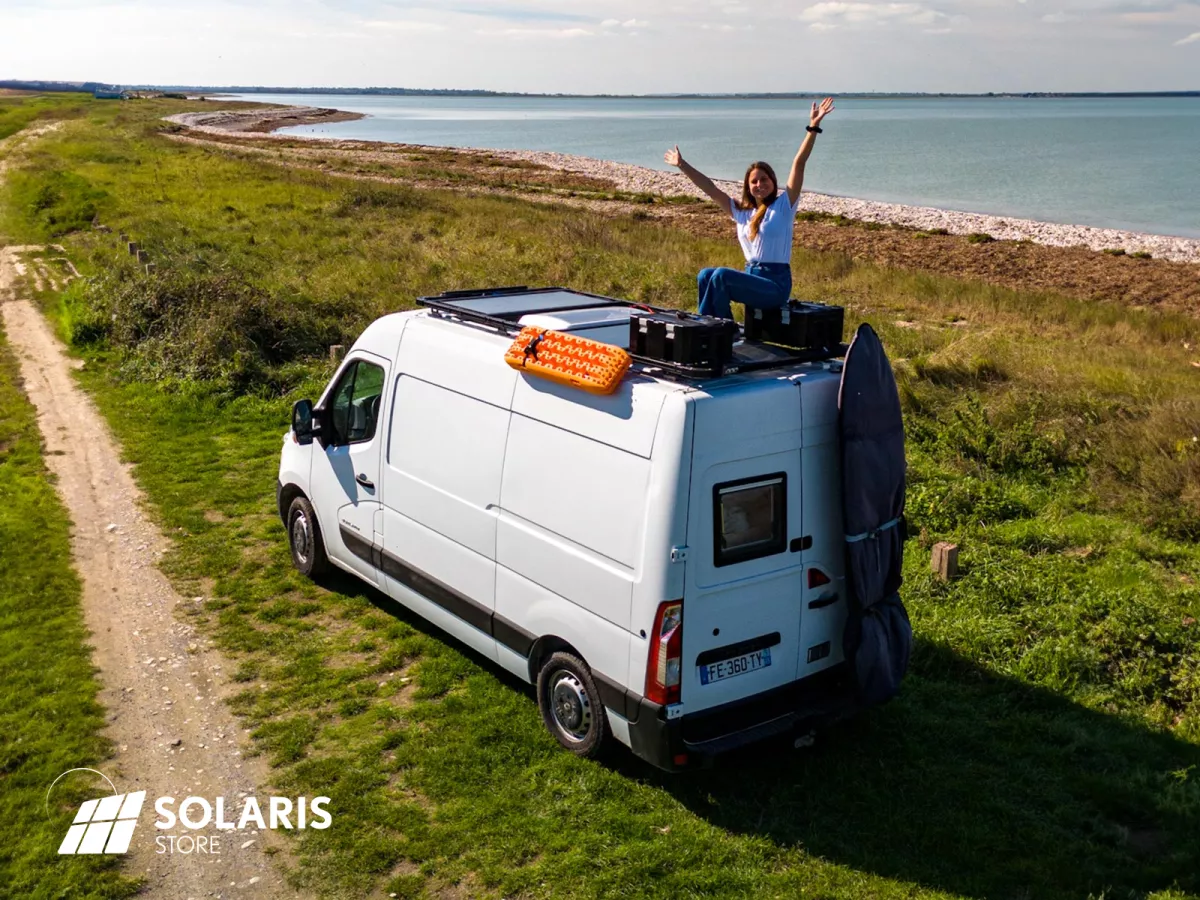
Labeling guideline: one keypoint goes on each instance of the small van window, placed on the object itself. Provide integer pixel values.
(355, 404)
(749, 518)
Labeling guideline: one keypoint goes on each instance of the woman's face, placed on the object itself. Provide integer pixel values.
(761, 184)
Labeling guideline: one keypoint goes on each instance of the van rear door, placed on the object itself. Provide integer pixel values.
(744, 584)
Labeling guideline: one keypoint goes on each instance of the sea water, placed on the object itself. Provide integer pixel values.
(1128, 163)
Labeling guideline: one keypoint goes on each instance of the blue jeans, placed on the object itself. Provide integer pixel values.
(762, 285)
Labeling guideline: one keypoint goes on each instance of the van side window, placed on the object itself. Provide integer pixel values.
(749, 518)
(355, 405)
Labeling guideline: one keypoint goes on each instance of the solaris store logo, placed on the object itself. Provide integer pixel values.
(103, 826)
(106, 824)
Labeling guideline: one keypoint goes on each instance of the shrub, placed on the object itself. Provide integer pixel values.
(979, 237)
(210, 326)
(56, 203)
(944, 504)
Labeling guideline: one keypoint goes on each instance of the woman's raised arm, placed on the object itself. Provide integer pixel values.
(796, 177)
(673, 158)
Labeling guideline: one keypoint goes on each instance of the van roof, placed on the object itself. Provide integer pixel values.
(382, 336)
(508, 309)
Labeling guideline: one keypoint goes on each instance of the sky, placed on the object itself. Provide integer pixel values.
(613, 46)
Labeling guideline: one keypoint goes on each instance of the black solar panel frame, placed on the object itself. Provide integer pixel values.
(449, 305)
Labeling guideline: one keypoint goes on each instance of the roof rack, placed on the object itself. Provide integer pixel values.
(501, 308)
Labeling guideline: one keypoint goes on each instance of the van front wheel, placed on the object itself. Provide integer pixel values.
(571, 706)
(304, 537)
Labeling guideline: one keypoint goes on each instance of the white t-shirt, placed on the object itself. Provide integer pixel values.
(774, 241)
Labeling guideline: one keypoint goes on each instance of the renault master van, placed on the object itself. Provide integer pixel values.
(665, 563)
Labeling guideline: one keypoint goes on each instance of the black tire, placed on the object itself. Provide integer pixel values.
(304, 537)
(571, 707)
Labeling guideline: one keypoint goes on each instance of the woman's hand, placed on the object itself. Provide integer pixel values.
(673, 157)
(818, 112)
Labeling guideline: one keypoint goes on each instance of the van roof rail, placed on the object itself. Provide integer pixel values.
(501, 309)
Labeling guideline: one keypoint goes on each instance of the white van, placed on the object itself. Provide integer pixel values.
(665, 563)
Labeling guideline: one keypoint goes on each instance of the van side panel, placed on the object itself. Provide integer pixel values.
(603, 645)
(459, 359)
(445, 456)
(626, 419)
(571, 518)
(824, 618)
(664, 526)
(441, 477)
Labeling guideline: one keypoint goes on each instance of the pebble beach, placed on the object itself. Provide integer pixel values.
(639, 179)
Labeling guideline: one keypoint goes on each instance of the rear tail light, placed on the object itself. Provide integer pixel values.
(816, 578)
(665, 663)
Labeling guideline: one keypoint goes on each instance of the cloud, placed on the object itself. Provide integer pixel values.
(402, 25)
(517, 14)
(832, 13)
(1190, 39)
(627, 24)
(1059, 18)
(550, 33)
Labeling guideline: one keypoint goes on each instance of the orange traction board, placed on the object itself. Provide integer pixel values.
(568, 359)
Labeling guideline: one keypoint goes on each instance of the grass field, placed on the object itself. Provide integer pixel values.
(1046, 743)
(49, 719)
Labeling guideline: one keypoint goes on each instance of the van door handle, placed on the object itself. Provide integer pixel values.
(823, 601)
(365, 481)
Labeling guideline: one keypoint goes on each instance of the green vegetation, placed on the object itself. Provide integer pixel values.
(979, 237)
(49, 717)
(1046, 743)
(18, 111)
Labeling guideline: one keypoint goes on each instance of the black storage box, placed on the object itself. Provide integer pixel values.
(806, 326)
(681, 337)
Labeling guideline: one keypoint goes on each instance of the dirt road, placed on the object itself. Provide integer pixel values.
(163, 685)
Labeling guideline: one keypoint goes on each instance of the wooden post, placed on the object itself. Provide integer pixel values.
(336, 352)
(133, 248)
(945, 560)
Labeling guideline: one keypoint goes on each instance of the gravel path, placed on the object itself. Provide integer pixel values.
(163, 685)
(629, 177)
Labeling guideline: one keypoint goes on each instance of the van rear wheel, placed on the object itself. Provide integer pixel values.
(571, 705)
(304, 537)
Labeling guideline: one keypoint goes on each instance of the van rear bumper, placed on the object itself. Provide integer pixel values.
(692, 740)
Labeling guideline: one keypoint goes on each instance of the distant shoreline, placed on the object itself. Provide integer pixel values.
(89, 86)
(640, 179)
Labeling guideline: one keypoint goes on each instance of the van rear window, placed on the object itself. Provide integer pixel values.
(749, 518)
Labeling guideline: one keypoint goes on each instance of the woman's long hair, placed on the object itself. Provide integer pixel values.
(748, 201)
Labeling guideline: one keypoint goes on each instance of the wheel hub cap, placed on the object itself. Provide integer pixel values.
(572, 711)
(300, 538)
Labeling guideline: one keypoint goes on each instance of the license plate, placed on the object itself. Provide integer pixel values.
(739, 665)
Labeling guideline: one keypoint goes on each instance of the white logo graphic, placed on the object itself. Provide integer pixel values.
(104, 826)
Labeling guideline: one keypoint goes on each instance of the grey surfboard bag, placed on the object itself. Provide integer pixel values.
(878, 636)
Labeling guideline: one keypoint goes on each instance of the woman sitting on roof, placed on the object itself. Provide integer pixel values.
(764, 218)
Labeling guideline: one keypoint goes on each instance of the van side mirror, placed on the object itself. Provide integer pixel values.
(304, 422)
